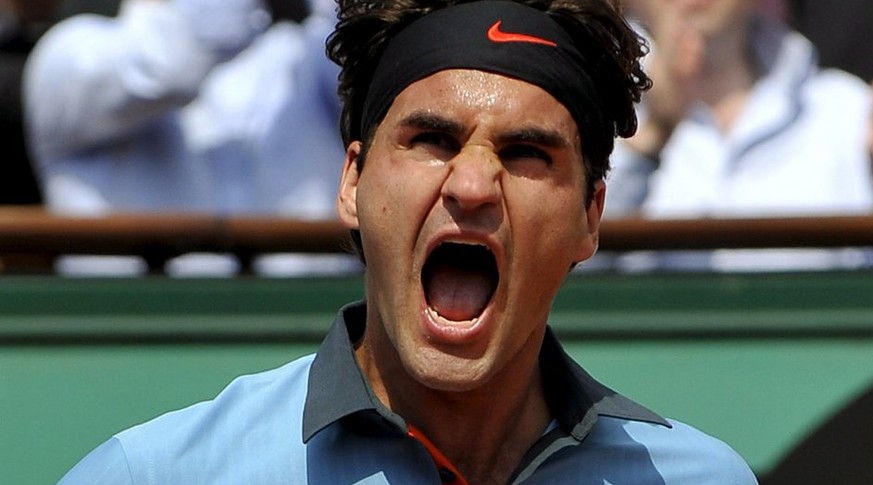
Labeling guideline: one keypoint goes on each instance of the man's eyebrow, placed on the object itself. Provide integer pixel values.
(430, 122)
(536, 136)
(426, 121)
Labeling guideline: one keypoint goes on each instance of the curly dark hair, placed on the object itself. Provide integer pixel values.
(597, 26)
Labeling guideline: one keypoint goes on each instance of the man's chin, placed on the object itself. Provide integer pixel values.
(445, 372)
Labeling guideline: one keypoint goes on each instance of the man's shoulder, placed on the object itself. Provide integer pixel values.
(251, 421)
(678, 453)
(281, 390)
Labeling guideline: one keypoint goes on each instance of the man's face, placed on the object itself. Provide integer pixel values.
(472, 208)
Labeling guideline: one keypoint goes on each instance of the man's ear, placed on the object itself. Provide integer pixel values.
(591, 229)
(346, 199)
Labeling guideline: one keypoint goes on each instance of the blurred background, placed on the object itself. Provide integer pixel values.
(755, 325)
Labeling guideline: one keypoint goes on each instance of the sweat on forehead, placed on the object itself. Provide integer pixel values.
(497, 36)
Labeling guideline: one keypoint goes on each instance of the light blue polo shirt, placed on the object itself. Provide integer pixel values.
(317, 421)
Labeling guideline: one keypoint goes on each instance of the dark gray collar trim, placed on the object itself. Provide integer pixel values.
(577, 398)
(337, 387)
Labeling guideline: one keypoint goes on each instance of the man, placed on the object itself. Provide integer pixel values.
(185, 105)
(742, 122)
(218, 106)
(478, 136)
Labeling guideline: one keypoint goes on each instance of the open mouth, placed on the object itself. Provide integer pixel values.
(459, 280)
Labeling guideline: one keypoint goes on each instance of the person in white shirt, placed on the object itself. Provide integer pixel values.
(187, 105)
(742, 122)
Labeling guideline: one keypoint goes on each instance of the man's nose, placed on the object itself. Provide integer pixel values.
(473, 180)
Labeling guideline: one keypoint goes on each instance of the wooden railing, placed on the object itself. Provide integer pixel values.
(790, 232)
(30, 237)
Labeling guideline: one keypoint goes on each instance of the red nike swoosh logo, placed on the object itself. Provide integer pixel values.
(497, 35)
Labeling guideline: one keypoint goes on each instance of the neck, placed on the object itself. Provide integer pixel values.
(484, 432)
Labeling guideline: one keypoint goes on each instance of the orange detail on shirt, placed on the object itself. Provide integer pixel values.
(439, 459)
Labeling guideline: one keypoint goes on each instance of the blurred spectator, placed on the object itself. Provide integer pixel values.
(22, 22)
(841, 30)
(188, 105)
(185, 105)
(741, 122)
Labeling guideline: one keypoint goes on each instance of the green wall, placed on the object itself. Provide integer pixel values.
(757, 360)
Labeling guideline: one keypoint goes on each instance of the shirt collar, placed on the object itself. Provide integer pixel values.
(338, 389)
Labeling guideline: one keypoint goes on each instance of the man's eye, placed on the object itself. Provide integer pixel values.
(525, 152)
(435, 139)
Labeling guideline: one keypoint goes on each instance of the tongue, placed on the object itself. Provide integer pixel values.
(458, 294)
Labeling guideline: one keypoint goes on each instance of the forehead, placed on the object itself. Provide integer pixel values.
(480, 96)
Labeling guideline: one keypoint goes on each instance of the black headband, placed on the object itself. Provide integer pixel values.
(497, 36)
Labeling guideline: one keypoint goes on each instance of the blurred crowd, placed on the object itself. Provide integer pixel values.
(742, 121)
(759, 107)
(209, 106)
